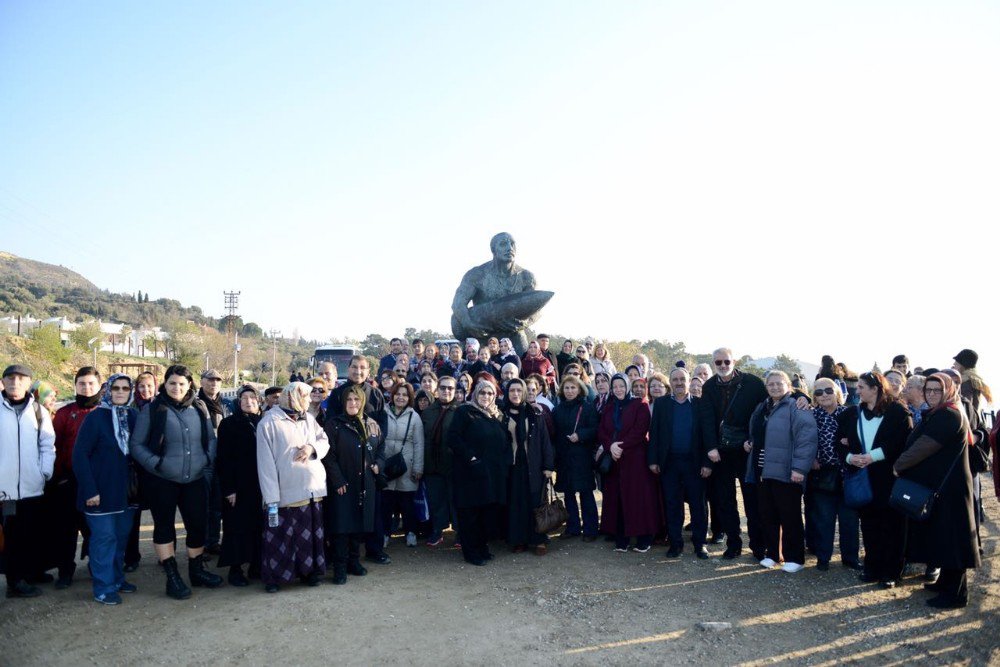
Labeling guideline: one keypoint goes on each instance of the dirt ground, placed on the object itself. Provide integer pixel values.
(580, 604)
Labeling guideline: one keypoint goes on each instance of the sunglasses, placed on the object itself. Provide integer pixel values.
(829, 391)
(117, 388)
(724, 362)
(318, 390)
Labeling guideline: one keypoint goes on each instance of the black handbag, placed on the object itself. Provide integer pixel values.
(603, 463)
(826, 479)
(731, 438)
(395, 465)
(914, 500)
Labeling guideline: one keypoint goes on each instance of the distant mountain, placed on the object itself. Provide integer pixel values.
(28, 287)
(809, 371)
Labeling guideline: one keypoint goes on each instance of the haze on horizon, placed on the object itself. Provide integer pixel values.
(779, 177)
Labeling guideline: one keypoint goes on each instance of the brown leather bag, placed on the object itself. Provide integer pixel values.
(552, 512)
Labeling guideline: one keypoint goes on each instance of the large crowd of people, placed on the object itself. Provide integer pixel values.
(466, 444)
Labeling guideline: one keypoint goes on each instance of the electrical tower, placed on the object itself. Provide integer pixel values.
(274, 355)
(232, 304)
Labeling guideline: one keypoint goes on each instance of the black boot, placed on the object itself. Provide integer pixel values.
(176, 588)
(339, 574)
(354, 567)
(236, 576)
(200, 576)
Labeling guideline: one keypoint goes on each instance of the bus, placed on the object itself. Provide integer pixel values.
(340, 355)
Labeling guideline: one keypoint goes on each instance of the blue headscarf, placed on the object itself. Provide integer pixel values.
(618, 405)
(119, 413)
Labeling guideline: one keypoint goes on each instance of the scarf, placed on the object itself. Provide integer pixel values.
(158, 423)
(119, 413)
(618, 405)
(214, 405)
(517, 417)
(88, 402)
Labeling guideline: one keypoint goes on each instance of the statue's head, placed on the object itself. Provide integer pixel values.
(503, 247)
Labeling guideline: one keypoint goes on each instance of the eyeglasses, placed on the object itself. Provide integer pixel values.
(117, 388)
(443, 387)
(723, 362)
(829, 391)
(932, 390)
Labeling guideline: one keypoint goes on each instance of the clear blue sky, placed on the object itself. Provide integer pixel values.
(779, 176)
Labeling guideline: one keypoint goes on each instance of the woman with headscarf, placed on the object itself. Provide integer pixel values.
(102, 466)
(531, 463)
(631, 506)
(507, 355)
(355, 459)
(481, 455)
(174, 443)
(576, 437)
(45, 395)
(872, 435)
(935, 457)
(602, 387)
(236, 466)
(290, 445)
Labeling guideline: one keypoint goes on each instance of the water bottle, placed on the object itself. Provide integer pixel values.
(272, 515)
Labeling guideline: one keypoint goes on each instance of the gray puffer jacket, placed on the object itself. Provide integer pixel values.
(790, 441)
(184, 458)
(396, 432)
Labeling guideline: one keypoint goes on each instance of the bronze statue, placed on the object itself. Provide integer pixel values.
(503, 296)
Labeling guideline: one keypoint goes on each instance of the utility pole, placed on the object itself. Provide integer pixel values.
(274, 355)
(232, 304)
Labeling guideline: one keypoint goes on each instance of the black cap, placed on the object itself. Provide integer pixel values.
(967, 358)
(17, 369)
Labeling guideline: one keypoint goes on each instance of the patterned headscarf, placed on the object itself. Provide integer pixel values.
(295, 398)
(42, 390)
(119, 413)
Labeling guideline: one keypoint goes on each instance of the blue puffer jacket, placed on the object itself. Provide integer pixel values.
(790, 441)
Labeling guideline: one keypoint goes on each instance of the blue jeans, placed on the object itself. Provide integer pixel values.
(823, 512)
(442, 506)
(108, 537)
(589, 506)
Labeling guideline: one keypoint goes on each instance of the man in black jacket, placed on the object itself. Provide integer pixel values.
(729, 398)
(677, 454)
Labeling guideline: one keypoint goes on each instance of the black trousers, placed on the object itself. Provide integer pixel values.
(680, 479)
(346, 549)
(24, 539)
(730, 469)
(398, 502)
(780, 506)
(954, 584)
(165, 498)
(883, 530)
(477, 524)
(213, 520)
(132, 555)
(65, 525)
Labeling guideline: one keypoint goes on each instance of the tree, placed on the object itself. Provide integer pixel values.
(785, 363)
(85, 333)
(374, 345)
(252, 330)
(46, 343)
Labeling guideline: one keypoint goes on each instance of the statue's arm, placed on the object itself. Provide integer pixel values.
(463, 295)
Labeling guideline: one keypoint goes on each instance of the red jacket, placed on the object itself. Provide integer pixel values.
(539, 365)
(67, 423)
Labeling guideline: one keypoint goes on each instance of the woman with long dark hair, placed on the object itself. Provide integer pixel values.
(174, 443)
(871, 436)
(935, 457)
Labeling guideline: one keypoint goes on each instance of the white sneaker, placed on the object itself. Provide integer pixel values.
(792, 567)
(768, 563)
(411, 540)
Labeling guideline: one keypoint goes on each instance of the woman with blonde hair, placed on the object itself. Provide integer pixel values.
(600, 362)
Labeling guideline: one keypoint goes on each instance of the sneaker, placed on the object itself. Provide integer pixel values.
(127, 587)
(621, 550)
(767, 562)
(434, 541)
(641, 550)
(792, 567)
(108, 598)
(411, 540)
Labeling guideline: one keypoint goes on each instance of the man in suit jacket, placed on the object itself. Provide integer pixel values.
(678, 455)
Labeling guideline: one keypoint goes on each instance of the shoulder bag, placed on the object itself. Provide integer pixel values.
(732, 437)
(395, 465)
(857, 486)
(914, 500)
(552, 512)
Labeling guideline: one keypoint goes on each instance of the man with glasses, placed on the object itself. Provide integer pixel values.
(729, 398)
(436, 419)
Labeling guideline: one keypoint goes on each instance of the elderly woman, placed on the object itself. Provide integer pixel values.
(575, 439)
(404, 436)
(696, 386)
(174, 443)
(601, 362)
(658, 387)
(355, 459)
(319, 391)
(935, 457)
(640, 389)
(530, 464)
(602, 389)
(702, 372)
(507, 355)
(103, 471)
(631, 502)
(239, 483)
(534, 361)
(508, 373)
(872, 435)
(481, 455)
(290, 445)
(824, 499)
(782, 449)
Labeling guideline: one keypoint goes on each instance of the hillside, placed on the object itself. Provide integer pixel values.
(46, 290)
